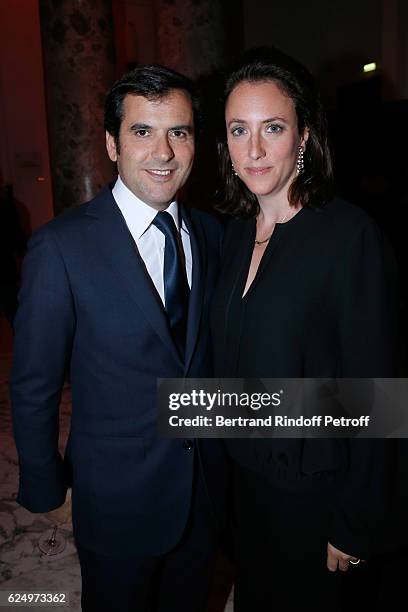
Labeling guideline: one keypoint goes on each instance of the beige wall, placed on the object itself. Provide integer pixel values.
(24, 145)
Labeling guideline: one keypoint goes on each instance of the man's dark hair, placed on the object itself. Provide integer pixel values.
(313, 186)
(152, 82)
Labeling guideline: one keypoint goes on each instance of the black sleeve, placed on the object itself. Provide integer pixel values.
(44, 328)
(363, 308)
(359, 496)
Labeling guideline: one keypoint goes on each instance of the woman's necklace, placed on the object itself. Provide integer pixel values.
(263, 241)
(269, 237)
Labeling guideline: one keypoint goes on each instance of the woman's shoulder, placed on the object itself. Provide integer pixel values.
(343, 216)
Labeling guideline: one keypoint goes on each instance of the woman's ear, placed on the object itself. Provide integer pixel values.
(304, 138)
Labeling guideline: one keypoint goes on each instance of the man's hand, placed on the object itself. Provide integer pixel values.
(337, 559)
(61, 515)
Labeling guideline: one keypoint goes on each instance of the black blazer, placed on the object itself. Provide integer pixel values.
(88, 304)
(318, 307)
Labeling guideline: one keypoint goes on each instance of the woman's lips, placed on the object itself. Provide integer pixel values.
(258, 171)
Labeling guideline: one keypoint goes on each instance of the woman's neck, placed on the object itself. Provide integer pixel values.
(275, 211)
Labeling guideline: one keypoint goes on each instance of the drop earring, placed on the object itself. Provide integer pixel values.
(233, 170)
(300, 163)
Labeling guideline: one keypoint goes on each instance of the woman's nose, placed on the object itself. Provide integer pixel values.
(256, 149)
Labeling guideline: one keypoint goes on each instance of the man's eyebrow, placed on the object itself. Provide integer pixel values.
(187, 128)
(145, 126)
(140, 126)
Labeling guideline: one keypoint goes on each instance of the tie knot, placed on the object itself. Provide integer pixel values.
(165, 223)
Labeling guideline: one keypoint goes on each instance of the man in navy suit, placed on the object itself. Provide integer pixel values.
(117, 292)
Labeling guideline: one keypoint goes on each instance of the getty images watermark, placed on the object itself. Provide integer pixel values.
(285, 408)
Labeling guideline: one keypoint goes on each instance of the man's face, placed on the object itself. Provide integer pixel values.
(156, 149)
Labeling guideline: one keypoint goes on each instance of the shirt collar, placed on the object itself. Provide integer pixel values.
(139, 215)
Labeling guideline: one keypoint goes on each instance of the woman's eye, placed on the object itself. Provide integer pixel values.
(238, 131)
(274, 128)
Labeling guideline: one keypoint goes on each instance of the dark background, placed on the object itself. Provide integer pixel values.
(57, 51)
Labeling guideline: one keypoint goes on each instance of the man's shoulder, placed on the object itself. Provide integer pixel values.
(202, 215)
(207, 221)
(207, 230)
(72, 219)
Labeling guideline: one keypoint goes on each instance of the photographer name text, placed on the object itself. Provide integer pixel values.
(280, 421)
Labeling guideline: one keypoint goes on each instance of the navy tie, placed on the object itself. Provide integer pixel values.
(176, 289)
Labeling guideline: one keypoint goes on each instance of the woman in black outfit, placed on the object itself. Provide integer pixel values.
(302, 293)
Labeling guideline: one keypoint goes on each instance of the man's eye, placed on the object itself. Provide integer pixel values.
(274, 128)
(238, 131)
(142, 132)
(180, 134)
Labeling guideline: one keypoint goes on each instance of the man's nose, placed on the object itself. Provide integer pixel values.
(256, 148)
(163, 150)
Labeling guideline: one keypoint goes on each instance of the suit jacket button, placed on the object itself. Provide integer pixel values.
(188, 444)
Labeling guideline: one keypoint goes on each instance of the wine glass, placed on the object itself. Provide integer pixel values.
(52, 542)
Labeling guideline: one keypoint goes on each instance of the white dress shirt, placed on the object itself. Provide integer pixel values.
(149, 240)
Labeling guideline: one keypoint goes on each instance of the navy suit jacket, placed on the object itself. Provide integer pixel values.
(87, 304)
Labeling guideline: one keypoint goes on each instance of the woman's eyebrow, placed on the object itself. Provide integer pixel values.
(276, 118)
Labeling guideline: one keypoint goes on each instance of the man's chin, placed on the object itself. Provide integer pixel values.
(159, 203)
(163, 199)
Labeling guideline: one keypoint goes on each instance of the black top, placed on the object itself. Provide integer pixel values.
(317, 307)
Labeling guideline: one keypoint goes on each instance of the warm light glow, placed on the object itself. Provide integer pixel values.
(40, 179)
(370, 67)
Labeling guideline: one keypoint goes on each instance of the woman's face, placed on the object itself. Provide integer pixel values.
(263, 137)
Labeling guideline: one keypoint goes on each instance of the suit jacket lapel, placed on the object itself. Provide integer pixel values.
(119, 250)
(197, 240)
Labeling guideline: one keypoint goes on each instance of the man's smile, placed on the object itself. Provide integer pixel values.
(160, 174)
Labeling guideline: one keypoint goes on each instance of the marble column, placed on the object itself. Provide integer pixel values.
(191, 35)
(77, 38)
